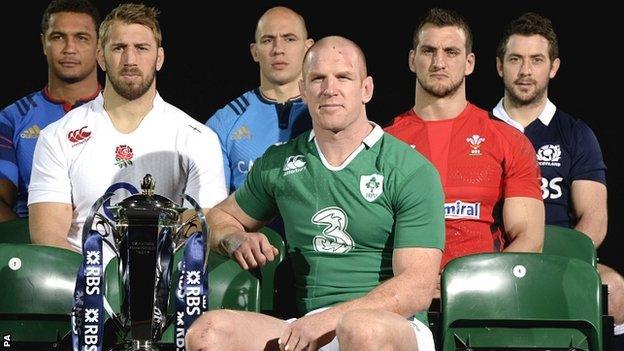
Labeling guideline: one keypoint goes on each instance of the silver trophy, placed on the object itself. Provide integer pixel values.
(146, 231)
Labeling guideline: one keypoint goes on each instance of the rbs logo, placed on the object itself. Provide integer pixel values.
(551, 189)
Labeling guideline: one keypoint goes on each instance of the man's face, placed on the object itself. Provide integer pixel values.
(130, 57)
(69, 45)
(334, 87)
(526, 68)
(279, 48)
(440, 60)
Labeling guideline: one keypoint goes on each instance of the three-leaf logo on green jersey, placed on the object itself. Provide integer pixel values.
(371, 186)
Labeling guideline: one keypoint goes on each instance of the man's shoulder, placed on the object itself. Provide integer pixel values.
(27, 105)
(237, 107)
(394, 154)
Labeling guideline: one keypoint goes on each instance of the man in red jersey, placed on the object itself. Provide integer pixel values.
(488, 170)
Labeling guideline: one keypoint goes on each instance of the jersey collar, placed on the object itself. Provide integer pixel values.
(545, 117)
(373, 137)
(266, 100)
(370, 140)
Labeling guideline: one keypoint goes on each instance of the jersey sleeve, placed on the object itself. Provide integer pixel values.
(215, 122)
(419, 210)
(205, 182)
(521, 174)
(255, 196)
(8, 158)
(49, 181)
(587, 162)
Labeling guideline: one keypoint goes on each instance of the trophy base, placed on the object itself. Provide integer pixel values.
(143, 345)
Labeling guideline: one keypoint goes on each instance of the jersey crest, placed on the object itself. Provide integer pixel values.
(371, 186)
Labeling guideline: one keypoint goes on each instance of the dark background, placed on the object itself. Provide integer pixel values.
(207, 60)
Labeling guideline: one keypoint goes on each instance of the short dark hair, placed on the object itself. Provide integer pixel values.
(444, 18)
(78, 6)
(530, 23)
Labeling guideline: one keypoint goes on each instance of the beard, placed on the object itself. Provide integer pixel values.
(132, 91)
(523, 99)
(439, 90)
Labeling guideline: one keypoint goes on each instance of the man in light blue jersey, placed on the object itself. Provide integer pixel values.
(274, 112)
(69, 38)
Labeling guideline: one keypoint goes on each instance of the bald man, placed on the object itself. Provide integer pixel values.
(363, 222)
(274, 112)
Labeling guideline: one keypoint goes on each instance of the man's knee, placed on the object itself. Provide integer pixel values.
(360, 327)
(210, 331)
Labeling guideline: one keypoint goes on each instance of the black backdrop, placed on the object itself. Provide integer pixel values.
(207, 61)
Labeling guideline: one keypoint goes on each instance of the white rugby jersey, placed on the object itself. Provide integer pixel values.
(82, 156)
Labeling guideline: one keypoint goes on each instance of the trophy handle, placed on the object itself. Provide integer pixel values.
(92, 214)
(204, 226)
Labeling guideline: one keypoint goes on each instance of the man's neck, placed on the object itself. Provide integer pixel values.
(524, 114)
(337, 147)
(280, 93)
(126, 115)
(433, 108)
(72, 92)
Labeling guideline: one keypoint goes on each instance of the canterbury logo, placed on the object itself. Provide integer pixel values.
(79, 135)
(294, 164)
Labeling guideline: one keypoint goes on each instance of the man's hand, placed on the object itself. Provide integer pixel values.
(308, 333)
(249, 250)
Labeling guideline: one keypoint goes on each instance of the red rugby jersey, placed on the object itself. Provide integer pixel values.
(481, 161)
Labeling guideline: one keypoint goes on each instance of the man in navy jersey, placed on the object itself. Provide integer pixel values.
(69, 38)
(274, 112)
(573, 172)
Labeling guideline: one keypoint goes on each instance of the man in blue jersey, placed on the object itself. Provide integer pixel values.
(274, 112)
(69, 39)
(573, 172)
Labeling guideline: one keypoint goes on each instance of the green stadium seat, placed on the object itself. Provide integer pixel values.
(36, 293)
(15, 231)
(569, 243)
(520, 301)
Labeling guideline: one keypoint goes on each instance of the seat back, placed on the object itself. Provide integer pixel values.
(569, 243)
(520, 300)
(15, 231)
(36, 292)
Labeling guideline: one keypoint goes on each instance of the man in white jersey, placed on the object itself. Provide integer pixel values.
(109, 144)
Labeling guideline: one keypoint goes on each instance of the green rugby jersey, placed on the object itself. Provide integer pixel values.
(342, 223)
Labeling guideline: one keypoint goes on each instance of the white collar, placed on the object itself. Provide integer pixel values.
(545, 117)
(373, 137)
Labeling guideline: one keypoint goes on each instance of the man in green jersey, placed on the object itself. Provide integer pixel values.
(363, 219)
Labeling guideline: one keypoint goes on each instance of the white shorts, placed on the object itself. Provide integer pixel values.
(424, 338)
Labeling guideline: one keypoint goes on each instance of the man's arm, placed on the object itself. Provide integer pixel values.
(8, 194)
(589, 200)
(409, 291)
(49, 223)
(233, 233)
(524, 224)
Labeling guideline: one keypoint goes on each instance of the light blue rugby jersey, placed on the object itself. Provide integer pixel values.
(249, 124)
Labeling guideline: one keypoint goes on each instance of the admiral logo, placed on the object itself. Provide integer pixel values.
(549, 155)
(79, 136)
(294, 164)
(460, 209)
(475, 144)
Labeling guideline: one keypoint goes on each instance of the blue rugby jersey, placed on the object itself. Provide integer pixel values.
(249, 124)
(20, 124)
(567, 150)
